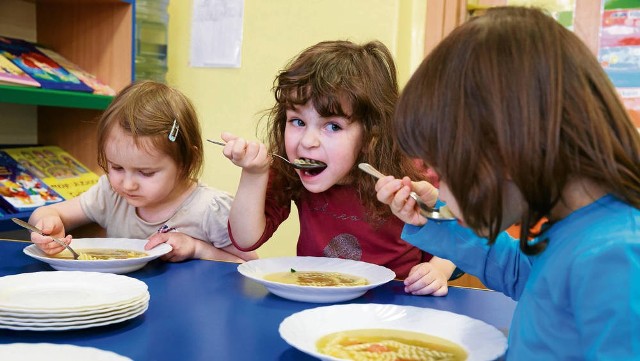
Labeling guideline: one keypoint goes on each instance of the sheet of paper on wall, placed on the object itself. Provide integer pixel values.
(216, 33)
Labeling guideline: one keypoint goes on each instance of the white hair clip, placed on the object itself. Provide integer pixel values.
(173, 134)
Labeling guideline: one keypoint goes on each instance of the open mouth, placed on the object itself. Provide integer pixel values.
(310, 166)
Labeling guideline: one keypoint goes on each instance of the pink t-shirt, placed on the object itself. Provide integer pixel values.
(333, 224)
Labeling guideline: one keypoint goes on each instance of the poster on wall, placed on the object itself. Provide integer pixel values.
(216, 33)
(561, 10)
(619, 51)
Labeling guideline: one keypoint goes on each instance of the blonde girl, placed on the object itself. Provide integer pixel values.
(150, 147)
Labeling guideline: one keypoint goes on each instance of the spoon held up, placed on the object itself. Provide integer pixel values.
(301, 163)
(441, 213)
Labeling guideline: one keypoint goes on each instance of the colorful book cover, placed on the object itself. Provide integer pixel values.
(631, 99)
(40, 67)
(20, 190)
(619, 51)
(87, 78)
(57, 168)
(11, 74)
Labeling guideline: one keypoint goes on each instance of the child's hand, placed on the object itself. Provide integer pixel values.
(395, 193)
(184, 246)
(252, 156)
(426, 279)
(426, 191)
(50, 225)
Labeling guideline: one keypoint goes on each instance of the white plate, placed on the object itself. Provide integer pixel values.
(257, 269)
(77, 326)
(54, 352)
(82, 312)
(303, 329)
(69, 317)
(61, 291)
(88, 322)
(111, 265)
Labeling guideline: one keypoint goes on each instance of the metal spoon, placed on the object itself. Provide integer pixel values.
(26, 225)
(441, 213)
(302, 163)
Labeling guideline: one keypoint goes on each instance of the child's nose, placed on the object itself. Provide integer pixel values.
(310, 139)
(129, 182)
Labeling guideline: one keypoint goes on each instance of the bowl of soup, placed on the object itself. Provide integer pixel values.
(113, 255)
(391, 332)
(316, 279)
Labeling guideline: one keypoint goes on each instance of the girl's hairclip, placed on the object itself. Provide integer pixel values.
(173, 134)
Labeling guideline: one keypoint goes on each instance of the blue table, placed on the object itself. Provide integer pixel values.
(206, 310)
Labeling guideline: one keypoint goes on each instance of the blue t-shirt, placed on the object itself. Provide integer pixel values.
(577, 300)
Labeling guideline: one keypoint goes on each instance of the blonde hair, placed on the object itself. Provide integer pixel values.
(147, 110)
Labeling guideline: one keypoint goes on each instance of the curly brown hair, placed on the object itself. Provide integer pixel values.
(328, 74)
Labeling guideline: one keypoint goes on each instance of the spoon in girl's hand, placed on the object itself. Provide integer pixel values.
(442, 214)
(302, 163)
(26, 225)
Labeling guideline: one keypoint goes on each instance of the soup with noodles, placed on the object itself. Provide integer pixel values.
(317, 278)
(94, 254)
(387, 344)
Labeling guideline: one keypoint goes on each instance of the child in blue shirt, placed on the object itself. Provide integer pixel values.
(521, 123)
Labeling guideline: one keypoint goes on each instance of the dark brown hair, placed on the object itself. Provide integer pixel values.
(512, 93)
(146, 110)
(327, 73)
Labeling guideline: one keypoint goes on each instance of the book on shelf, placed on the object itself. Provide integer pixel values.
(21, 190)
(57, 169)
(87, 78)
(39, 66)
(11, 74)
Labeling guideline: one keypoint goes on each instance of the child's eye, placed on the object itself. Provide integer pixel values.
(147, 174)
(333, 127)
(115, 167)
(297, 122)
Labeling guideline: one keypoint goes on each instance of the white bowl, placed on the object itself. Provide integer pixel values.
(111, 265)
(257, 269)
(303, 329)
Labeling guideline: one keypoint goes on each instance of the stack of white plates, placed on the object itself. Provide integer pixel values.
(66, 300)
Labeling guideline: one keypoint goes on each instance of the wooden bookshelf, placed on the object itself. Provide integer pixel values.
(97, 35)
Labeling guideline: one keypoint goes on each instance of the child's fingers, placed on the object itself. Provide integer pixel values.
(155, 240)
(387, 188)
(403, 202)
(442, 291)
(48, 245)
(384, 182)
(427, 285)
(253, 149)
(46, 225)
(426, 191)
(227, 136)
(423, 286)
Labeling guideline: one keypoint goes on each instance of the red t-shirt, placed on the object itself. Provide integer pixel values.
(333, 224)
